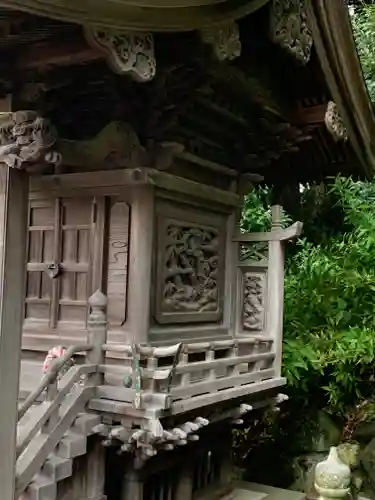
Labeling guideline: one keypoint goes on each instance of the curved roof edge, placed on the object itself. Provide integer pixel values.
(140, 15)
(337, 52)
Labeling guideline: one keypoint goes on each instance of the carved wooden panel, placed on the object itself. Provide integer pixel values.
(252, 299)
(190, 266)
(254, 287)
(118, 236)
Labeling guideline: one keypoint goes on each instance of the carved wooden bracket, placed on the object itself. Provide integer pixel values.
(224, 40)
(290, 29)
(334, 123)
(127, 53)
(27, 140)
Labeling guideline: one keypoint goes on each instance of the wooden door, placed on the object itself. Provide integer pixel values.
(76, 245)
(59, 268)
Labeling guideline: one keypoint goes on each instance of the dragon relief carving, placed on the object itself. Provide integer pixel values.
(191, 259)
(253, 302)
(224, 40)
(290, 29)
(334, 123)
(27, 141)
(127, 53)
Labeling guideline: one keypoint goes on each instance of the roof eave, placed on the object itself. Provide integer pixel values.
(336, 50)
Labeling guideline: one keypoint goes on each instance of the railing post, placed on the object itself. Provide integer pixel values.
(97, 334)
(276, 289)
(52, 391)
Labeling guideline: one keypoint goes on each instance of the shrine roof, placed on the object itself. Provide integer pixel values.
(232, 93)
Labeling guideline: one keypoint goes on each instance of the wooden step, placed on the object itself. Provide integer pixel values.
(85, 422)
(57, 468)
(42, 488)
(72, 445)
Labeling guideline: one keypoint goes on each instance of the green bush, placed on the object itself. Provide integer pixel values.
(330, 305)
(329, 326)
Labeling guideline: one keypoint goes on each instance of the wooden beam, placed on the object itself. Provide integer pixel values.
(43, 55)
(14, 185)
(313, 115)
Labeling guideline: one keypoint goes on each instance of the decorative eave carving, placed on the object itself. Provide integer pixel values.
(290, 29)
(224, 40)
(27, 141)
(334, 123)
(127, 53)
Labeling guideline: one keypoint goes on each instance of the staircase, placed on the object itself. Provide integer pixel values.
(53, 433)
(59, 464)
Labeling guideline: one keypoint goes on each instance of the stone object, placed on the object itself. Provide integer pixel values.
(332, 477)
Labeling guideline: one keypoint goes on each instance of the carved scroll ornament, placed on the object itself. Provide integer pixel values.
(224, 40)
(334, 123)
(290, 29)
(127, 53)
(27, 141)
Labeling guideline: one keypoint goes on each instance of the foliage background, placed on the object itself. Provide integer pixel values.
(329, 329)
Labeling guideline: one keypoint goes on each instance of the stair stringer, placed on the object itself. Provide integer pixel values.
(59, 464)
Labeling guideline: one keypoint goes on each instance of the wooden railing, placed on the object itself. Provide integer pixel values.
(259, 298)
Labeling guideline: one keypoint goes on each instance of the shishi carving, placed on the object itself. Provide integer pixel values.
(127, 53)
(224, 40)
(290, 29)
(253, 302)
(191, 274)
(334, 123)
(27, 141)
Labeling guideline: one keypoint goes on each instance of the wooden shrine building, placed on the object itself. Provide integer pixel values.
(129, 132)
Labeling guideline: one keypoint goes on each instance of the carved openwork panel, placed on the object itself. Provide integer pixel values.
(253, 312)
(190, 267)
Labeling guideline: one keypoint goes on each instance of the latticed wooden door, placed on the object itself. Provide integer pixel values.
(60, 258)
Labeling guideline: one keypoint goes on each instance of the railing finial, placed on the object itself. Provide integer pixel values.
(98, 299)
(98, 304)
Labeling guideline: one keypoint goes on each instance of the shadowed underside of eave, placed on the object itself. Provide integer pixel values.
(140, 15)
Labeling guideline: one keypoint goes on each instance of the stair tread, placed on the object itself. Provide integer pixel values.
(41, 488)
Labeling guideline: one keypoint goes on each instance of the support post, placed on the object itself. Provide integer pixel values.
(15, 185)
(133, 486)
(95, 472)
(184, 487)
(140, 262)
(276, 289)
(97, 336)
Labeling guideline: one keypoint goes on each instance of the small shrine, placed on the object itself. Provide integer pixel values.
(130, 132)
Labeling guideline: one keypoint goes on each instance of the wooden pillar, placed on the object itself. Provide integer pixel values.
(276, 289)
(184, 487)
(15, 186)
(140, 262)
(95, 472)
(133, 485)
